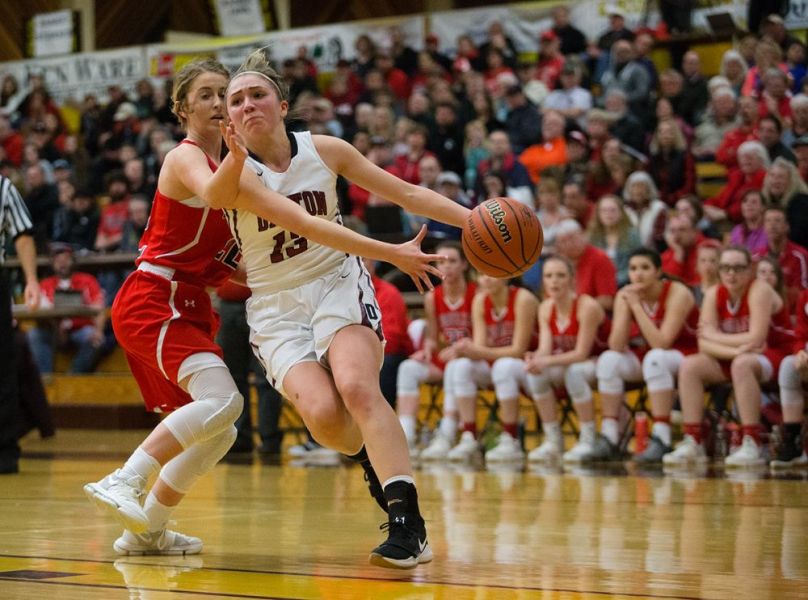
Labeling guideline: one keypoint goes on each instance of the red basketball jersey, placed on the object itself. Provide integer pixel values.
(191, 238)
(732, 317)
(686, 342)
(564, 340)
(801, 334)
(499, 326)
(454, 320)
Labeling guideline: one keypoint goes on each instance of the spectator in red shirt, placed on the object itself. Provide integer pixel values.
(86, 335)
(398, 345)
(792, 258)
(683, 239)
(551, 61)
(753, 160)
(595, 273)
(775, 99)
(114, 214)
(11, 142)
(747, 130)
(397, 80)
(407, 164)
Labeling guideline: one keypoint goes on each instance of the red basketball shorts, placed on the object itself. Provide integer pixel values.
(159, 323)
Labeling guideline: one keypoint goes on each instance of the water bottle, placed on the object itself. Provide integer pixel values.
(640, 432)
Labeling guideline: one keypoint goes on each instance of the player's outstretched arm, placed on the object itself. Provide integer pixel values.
(346, 160)
(254, 197)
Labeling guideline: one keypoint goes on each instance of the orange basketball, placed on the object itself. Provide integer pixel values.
(502, 237)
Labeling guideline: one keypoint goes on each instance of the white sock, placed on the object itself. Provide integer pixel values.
(662, 431)
(394, 478)
(141, 463)
(158, 513)
(552, 431)
(408, 424)
(588, 430)
(448, 427)
(609, 428)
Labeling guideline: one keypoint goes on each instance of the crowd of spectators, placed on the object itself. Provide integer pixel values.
(606, 147)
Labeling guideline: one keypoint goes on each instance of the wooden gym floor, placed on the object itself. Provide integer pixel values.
(283, 531)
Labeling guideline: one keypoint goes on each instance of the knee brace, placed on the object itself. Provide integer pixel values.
(609, 380)
(182, 471)
(216, 406)
(576, 380)
(411, 373)
(462, 377)
(538, 385)
(790, 383)
(506, 374)
(657, 370)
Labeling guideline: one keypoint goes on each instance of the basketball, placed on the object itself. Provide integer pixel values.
(502, 237)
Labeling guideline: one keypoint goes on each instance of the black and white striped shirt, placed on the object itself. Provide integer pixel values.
(14, 217)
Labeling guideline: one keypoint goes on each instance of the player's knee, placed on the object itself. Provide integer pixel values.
(609, 381)
(789, 378)
(409, 377)
(577, 384)
(744, 366)
(655, 371)
(538, 384)
(225, 411)
(505, 375)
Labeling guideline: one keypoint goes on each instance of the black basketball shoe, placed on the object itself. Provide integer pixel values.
(406, 546)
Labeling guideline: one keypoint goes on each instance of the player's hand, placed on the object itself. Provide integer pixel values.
(466, 348)
(410, 260)
(233, 141)
(448, 353)
(32, 294)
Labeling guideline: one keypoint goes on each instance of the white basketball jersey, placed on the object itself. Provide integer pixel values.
(277, 259)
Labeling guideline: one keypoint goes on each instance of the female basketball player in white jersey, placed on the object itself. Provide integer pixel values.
(164, 321)
(313, 314)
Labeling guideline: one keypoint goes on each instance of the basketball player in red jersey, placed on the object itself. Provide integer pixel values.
(733, 346)
(653, 328)
(164, 321)
(503, 325)
(793, 373)
(448, 319)
(569, 325)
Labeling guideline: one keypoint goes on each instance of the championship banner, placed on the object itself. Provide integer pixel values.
(76, 76)
(51, 34)
(239, 17)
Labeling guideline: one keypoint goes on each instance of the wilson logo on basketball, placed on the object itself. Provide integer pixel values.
(498, 216)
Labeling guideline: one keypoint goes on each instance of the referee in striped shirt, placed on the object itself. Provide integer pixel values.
(15, 223)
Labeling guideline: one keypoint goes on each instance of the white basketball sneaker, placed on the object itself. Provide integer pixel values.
(748, 455)
(164, 543)
(466, 448)
(688, 452)
(506, 450)
(438, 448)
(549, 451)
(120, 496)
(584, 449)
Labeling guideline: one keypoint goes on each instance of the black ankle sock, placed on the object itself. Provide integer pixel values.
(360, 457)
(402, 497)
(792, 430)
